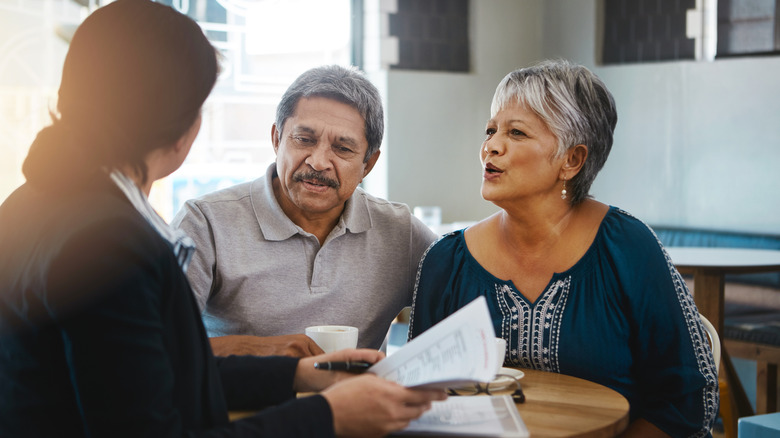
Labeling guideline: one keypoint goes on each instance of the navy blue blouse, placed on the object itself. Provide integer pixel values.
(621, 316)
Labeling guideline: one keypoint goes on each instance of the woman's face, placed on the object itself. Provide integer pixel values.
(518, 157)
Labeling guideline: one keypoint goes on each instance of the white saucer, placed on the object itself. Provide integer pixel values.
(505, 381)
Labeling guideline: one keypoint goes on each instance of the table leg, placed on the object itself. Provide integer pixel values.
(766, 387)
(709, 296)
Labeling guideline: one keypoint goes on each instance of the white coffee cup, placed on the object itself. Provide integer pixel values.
(333, 337)
(500, 352)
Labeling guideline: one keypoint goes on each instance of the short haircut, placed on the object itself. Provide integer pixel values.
(574, 104)
(343, 84)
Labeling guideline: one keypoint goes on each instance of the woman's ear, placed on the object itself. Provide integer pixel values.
(575, 159)
(188, 138)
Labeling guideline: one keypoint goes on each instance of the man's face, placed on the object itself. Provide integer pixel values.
(319, 158)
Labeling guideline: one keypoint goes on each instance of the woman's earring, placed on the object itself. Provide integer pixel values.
(563, 192)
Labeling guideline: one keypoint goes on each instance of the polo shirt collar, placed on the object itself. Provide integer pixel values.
(275, 225)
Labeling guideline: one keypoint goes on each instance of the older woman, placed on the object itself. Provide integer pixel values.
(574, 286)
(100, 334)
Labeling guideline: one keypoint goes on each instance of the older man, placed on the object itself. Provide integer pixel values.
(303, 245)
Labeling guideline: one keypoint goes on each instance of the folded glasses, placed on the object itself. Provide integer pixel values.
(502, 384)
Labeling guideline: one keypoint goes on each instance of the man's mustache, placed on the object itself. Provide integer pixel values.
(315, 177)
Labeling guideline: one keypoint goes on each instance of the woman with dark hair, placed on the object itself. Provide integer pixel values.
(573, 285)
(99, 332)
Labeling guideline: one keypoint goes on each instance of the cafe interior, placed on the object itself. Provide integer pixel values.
(695, 150)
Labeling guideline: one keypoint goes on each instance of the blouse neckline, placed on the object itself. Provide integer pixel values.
(581, 264)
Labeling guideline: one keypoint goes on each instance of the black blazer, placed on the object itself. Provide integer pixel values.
(100, 334)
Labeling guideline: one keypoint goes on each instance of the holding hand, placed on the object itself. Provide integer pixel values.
(308, 378)
(368, 406)
(365, 405)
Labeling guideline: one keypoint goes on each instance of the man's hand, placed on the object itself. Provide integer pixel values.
(288, 345)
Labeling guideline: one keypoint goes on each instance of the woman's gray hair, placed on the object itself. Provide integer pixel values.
(574, 104)
(347, 85)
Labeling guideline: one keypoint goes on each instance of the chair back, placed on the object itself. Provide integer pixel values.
(714, 341)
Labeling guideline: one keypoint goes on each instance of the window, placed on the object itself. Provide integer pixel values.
(32, 50)
(642, 31)
(748, 27)
(266, 44)
(432, 35)
(665, 30)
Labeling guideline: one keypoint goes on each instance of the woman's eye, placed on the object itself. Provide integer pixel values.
(517, 132)
(490, 131)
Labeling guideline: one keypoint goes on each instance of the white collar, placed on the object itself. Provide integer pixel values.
(183, 246)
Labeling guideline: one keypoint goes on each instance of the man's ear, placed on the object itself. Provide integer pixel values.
(275, 137)
(370, 163)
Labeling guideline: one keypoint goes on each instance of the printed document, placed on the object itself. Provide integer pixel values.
(458, 350)
(482, 416)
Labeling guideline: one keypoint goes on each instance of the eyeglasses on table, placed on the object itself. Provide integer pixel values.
(502, 384)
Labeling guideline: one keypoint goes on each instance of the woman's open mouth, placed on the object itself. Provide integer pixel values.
(491, 169)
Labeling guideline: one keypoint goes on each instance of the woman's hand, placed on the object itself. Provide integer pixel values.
(308, 378)
(365, 405)
(368, 406)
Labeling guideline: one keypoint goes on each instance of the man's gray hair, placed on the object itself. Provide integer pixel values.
(343, 84)
(574, 104)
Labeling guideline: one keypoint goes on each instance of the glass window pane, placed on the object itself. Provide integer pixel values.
(266, 44)
(746, 26)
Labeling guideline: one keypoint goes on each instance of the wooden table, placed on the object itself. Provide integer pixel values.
(709, 266)
(563, 406)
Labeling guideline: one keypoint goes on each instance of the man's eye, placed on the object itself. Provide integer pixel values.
(304, 140)
(343, 149)
(490, 131)
(516, 132)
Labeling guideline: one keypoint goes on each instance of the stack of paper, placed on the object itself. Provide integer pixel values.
(482, 416)
(458, 351)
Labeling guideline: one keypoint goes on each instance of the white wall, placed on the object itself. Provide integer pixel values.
(697, 143)
(436, 121)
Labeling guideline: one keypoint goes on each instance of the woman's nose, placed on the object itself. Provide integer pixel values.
(492, 146)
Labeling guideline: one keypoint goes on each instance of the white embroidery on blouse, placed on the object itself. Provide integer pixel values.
(698, 339)
(533, 332)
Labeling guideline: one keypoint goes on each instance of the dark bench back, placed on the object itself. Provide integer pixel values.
(672, 236)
